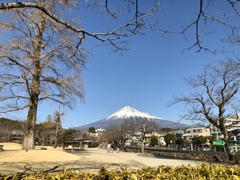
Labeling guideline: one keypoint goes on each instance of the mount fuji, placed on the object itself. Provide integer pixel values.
(130, 113)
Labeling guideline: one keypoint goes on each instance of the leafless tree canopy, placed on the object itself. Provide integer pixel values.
(60, 61)
(215, 93)
(42, 53)
(214, 97)
(122, 132)
(40, 60)
(206, 14)
(115, 37)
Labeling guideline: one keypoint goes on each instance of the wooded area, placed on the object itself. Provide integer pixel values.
(13, 131)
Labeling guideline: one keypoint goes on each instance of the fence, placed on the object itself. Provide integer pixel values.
(211, 155)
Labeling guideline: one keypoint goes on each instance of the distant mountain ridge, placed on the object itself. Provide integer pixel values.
(130, 113)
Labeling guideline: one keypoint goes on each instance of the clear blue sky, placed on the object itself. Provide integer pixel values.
(148, 75)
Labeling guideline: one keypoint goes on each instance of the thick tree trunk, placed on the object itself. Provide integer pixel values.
(28, 142)
(29, 136)
(228, 143)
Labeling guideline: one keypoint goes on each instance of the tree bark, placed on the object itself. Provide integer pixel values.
(142, 147)
(29, 137)
(227, 140)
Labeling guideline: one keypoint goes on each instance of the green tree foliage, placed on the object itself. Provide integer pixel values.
(153, 141)
(170, 137)
(199, 140)
(91, 130)
(179, 141)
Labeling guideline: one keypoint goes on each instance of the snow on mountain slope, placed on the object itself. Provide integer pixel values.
(129, 112)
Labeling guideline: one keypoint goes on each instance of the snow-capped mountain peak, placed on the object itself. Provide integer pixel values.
(129, 112)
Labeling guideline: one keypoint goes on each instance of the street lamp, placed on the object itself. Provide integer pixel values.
(171, 144)
(143, 137)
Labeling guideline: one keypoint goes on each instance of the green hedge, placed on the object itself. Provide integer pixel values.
(199, 172)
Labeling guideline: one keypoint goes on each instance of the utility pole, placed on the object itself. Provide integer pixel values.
(57, 120)
(192, 137)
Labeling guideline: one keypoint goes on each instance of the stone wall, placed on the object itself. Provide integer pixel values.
(209, 156)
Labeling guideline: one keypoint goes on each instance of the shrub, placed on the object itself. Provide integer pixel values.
(199, 172)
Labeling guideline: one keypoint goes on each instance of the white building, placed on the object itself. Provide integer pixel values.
(232, 124)
(200, 131)
(99, 131)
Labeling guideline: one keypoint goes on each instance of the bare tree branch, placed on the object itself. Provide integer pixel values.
(133, 27)
(202, 20)
(215, 98)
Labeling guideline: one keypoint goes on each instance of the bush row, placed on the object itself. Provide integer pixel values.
(199, 172)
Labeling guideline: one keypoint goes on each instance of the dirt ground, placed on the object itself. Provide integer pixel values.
(14, 160)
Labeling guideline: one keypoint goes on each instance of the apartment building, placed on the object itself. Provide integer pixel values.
(196, 131)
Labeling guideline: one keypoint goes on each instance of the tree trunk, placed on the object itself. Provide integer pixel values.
(8, 137)
(142, 147)
(228, 143)
(29, 137)
(34, 91)
(43, 141)
(142, 142)
(56, 134)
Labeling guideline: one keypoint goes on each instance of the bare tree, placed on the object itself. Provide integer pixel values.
(120, 133)
(127, 130)
(43, 57)
(45, 132)
(40, 62)
(57, 119)
(145, 126)
(215, 98)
